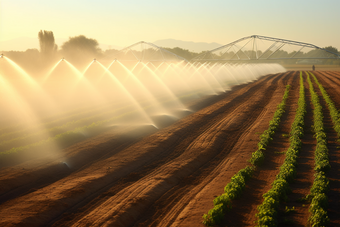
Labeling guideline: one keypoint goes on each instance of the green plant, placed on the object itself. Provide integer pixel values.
(238, 182)
(289, 210)
(222, 203)
(285, 135)
(257, 157)
(319, 200)
(267, 211)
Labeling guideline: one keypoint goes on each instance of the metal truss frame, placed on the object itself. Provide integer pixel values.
(277, 44)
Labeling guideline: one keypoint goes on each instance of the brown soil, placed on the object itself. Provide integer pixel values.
(143, 177)
(333, 146)
(305, 172)
(309, 67)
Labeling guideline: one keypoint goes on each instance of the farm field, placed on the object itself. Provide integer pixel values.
(140, 176)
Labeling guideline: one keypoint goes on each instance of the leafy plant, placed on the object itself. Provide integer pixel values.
(257, 157)
(267, 211)
(319, 203)
(289, 210)
(237, 184)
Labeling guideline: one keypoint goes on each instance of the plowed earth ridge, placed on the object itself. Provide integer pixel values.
(331, 82)
(303, 181)
(167, 177)
(209, 143)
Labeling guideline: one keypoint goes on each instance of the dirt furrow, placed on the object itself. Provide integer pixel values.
(22, 179)
(32, 175)
(49, 202)
(120, 210)
(331, 84)
(149, 177)
(197, 199)
(334, 159)
(245, 208)
(305, 173)
(170, 177)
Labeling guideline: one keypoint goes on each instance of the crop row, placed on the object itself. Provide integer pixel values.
(58, 124)
(70, 136)
(63, 139)
(267, 136)
(85, 122)
(22, 137)
(234, 189)
(17, 129)
(21, 140)
(319, 203)
(267, 211)
(335, 115)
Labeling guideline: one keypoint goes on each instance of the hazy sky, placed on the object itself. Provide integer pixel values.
(124, 22)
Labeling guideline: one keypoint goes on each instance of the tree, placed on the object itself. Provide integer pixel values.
(81, 44)
(332, 49)
(47, 43)
(81, 49)
(182, 52)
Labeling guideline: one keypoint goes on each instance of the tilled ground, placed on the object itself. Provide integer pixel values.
(169, 177)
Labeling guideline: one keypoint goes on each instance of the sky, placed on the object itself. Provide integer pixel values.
(124, 22)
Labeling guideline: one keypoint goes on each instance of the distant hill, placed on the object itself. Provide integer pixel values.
(191, 46)
(24, 43)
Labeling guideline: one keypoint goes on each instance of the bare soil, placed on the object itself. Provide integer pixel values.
(169, 177)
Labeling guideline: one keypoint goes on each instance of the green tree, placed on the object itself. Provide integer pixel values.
(81, 44)
(329, 55)
(332, 49)
(182, 52)
(80, 49)
(47, 43)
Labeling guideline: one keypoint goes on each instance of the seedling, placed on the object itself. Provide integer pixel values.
(290, 210)
(285, 135)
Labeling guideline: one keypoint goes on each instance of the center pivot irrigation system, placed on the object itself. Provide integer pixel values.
(255, 48)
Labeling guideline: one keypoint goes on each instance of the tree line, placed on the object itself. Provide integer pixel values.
(80, 49)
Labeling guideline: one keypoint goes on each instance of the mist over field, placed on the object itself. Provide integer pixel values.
(182, 113)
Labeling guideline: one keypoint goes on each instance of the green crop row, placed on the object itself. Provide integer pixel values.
(319, 204)
(335, 115)
(234, 189)
(258, 156)
(321, 152)
(222, 203)
(267, 211)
